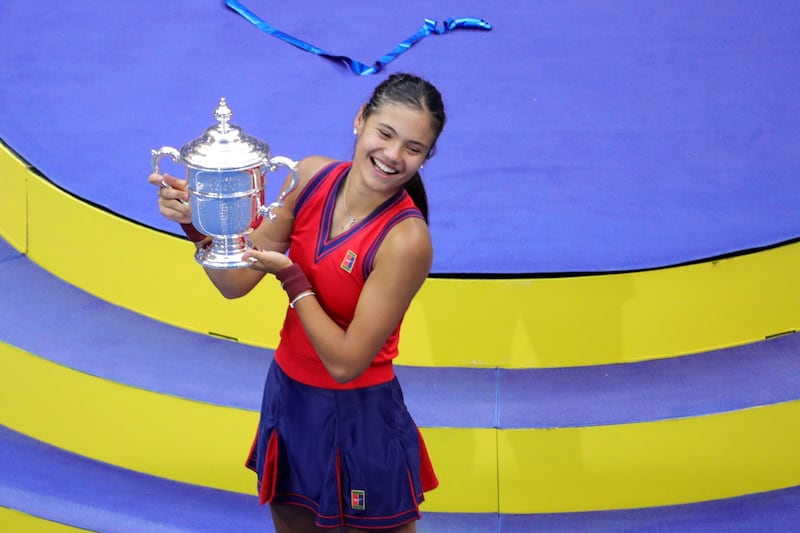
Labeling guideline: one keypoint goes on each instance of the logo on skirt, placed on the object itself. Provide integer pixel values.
(358, 500)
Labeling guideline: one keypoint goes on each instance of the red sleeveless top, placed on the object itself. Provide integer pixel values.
(337, 269)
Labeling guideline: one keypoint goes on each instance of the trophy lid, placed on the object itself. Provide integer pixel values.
(225, 146)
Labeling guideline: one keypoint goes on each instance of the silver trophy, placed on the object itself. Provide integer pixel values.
(226, 174)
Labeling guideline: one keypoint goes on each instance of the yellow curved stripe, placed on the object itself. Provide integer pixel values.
(526, 323)
(13, 199)
(650, 464)
(11, 520)
(144, 431)
(194, 442)
(481, 470)
(602, 319)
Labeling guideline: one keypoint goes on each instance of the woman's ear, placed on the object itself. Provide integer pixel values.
(359, 120)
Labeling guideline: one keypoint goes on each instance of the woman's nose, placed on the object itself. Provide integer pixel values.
(393, 151)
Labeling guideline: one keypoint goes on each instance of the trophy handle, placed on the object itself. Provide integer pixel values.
(273, 164)
(155, 157)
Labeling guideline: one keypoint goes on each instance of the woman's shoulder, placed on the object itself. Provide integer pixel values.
(408, 240)
(309, 166)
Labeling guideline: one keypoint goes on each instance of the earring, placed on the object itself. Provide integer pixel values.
(421, 167)
(355, 131)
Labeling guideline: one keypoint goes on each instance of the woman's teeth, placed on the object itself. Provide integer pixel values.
(383, 168)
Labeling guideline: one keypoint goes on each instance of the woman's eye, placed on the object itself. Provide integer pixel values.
(384, 134)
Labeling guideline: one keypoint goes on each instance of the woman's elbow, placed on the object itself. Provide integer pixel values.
(231, 292)
(230, 295)
(231, 289)
(232, 283)
(344, 373)
(342, 376)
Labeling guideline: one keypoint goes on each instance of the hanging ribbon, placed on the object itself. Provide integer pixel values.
(430, 27)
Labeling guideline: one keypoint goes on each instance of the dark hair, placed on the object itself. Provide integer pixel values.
(411, 90)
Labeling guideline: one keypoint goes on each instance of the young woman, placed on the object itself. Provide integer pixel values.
(335, 446)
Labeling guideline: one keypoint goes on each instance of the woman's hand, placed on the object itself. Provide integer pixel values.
(266, 261)
(173, 198)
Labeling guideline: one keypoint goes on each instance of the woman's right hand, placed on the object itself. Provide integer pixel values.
(173, 199)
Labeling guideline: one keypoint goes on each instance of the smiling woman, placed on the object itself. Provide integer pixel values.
(334, 427)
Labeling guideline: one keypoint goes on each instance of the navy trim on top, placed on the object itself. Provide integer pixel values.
(369, 260)
(326, 245)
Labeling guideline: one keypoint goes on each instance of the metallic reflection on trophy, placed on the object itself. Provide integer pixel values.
(226, 174)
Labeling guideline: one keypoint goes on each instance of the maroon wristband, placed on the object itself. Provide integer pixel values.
(192, 233)
(293, 280)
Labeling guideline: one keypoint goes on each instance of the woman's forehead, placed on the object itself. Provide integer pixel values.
(406, 120)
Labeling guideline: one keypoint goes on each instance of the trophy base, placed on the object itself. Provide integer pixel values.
(223, 255)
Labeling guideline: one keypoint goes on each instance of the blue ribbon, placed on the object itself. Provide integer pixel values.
(430, 27)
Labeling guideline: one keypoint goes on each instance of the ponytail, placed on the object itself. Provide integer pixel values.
(416, 190)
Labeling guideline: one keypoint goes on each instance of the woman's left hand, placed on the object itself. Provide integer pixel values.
(266, 261)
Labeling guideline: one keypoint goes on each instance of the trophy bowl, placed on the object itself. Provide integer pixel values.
(226, 174)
